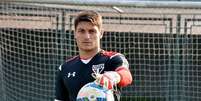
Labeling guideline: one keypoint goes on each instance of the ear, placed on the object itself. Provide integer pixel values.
(75, 36)
(101, 33)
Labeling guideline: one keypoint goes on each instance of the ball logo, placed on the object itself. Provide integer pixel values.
(94, 92)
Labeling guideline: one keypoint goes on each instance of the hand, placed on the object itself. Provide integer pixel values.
(108, 79)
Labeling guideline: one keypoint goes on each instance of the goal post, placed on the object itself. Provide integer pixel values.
(126, 3)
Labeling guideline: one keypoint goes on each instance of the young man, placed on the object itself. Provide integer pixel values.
(77, 71)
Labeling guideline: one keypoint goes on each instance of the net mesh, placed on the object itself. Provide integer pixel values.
(162, 45)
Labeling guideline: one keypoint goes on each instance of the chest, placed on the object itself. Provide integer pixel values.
(78, 74)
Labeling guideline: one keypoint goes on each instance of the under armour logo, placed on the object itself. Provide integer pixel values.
(71, 74)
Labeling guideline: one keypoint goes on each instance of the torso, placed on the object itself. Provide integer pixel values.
(76, 74)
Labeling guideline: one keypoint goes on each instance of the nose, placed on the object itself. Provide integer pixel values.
(87, 35)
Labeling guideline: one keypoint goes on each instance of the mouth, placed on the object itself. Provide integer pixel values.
(87, 43)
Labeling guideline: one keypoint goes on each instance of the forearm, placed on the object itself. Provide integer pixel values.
(121, 77)
(125, 76)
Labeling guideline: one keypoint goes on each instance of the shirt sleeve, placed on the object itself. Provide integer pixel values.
(119, 63)
(61, 93)
(118, 60)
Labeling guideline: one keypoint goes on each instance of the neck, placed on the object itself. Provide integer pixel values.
(88, 54)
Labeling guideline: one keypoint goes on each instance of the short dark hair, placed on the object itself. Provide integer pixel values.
(90, 16)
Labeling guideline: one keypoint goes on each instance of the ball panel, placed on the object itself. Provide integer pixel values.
(94, 92)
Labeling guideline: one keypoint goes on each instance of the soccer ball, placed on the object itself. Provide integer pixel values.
(93, 92)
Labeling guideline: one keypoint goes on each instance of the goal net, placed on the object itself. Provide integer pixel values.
(162, 44)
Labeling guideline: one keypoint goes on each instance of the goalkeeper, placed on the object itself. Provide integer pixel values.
(112, 67)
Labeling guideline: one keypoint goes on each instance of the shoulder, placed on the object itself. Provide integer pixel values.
(108, 53)
(111, 54)
(116, 58)
(68, 61)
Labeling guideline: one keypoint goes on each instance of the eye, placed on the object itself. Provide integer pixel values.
(92, 31)
(81, 30)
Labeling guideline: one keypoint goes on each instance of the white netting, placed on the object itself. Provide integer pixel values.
(162, 45)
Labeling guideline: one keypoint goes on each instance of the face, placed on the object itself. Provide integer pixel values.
(87, 36)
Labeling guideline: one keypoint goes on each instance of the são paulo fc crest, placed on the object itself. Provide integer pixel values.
(98, 68)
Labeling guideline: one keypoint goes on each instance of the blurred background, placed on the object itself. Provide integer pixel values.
(160, 38)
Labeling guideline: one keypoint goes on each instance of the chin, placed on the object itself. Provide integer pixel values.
(87, 49)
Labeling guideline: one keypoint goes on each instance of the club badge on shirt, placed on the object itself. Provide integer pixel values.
(98, 68)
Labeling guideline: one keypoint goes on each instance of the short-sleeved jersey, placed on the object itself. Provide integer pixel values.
(74, 74)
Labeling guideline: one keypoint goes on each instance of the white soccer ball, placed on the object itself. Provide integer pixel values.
(93, 92)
